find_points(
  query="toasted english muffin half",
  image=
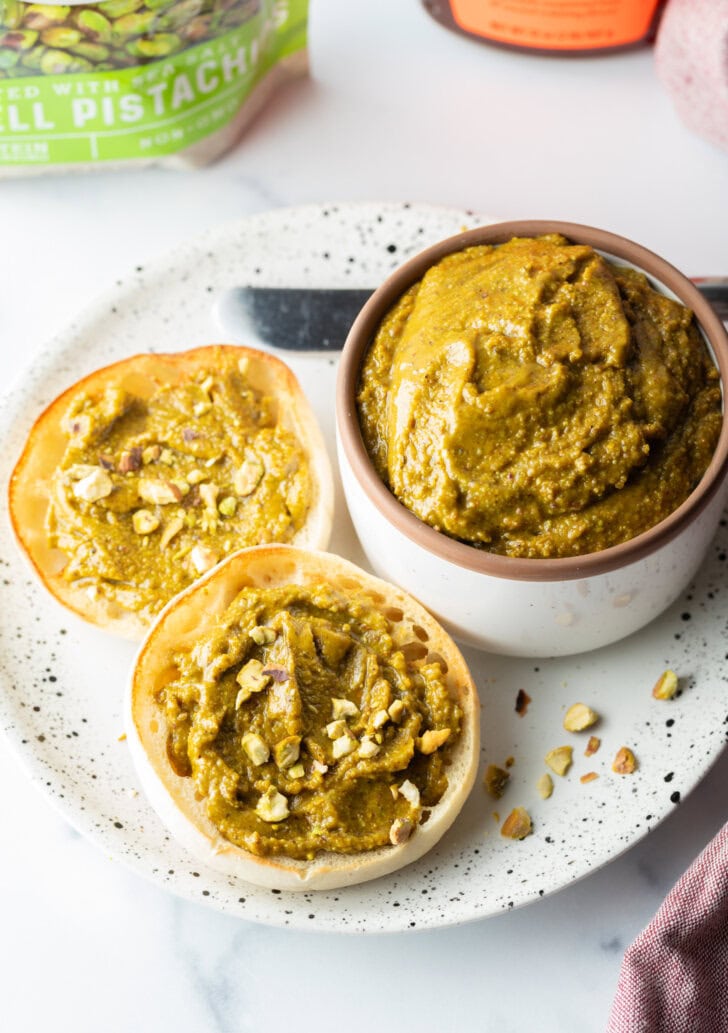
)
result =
(144, 474)
(368, 694)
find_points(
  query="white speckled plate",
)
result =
(62, 681)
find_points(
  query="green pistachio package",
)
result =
(174, 82)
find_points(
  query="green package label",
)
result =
(140, 112)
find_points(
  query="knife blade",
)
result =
(318, 319)
(309, 319)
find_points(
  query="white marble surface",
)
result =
(397, 108)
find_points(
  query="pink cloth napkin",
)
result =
(674, 976)
(691, 54)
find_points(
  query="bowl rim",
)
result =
(453, 551)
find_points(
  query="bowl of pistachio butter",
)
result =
(532, 436)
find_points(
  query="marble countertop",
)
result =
(396, 109)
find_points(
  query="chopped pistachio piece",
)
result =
(196, 477)
(182, 486)
(400, 831)
(263, 636)
(131, 460)
(343, 708)
(287, 751)
(396, 710)
(578, 717)
(208, 494)
(166, 456)
(344, 745)
(592, 746)
(171, 529)
(666, 685)
(251, 679)
(247, 477)
(545, 786)
(517, 825)
(335, 729)
(380, 719)
(203, 559)
(495, 780)
(94, 486)
(150, 453)
(159, 493)
(228, 506)
(296, 771)
(367, 747)
(432, 740)
(272, 806)
(256, 748)
(560, 759)
(625, 763)
(320, 768)
(144, 522)
(410, 792)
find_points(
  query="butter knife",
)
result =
(318, 319)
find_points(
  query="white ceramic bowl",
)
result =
(529, 607)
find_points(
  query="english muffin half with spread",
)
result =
(301, 724)
(145, 474)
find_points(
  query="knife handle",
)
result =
(715, 290)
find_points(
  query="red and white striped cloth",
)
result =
(674, 976)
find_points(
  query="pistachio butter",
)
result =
(304, 728)
(536, 400)
(152, 491)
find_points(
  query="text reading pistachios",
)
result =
(132, 78)
(97, 105)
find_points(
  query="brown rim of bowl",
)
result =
(471, 557)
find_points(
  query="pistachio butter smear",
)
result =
(535, 400)
(304, 728)
(153, 491)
